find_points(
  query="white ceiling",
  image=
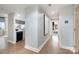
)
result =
(53, 7)
(51, 10)
(20, 7)
(8, 8)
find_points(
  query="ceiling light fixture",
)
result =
(49, 4)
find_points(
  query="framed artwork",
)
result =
(46, 25)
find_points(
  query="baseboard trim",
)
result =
(41, 46)
(11, 42)
(37, 50)
(69, 48)
(32, 49)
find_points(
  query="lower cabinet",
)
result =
(19, 36)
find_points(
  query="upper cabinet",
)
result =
(20, 22)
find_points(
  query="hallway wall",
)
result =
(66, 30)
(31, 27)
(41, 36)
(34, 29)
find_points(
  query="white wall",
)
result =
(40, 28)
(41, 37)
(11, 28)
(66, 31)
(31, 27)
(34, 28)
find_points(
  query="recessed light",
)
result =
(49, 4)
(53, 12)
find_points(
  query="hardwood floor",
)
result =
(18, 48)
(50, 49)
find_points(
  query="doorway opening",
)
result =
(20, 30)
(54, 33)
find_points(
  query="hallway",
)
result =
(52, 46)
(36, 23)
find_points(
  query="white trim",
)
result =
(41, 46)
(32, 49)
(11, 42)
(69, 48)
(37, 50)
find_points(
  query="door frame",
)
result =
(75, 43)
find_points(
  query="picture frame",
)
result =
(46, 25)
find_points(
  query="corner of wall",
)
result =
(31, 48)
(37, 50)
(11, 41)
(69, 48)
